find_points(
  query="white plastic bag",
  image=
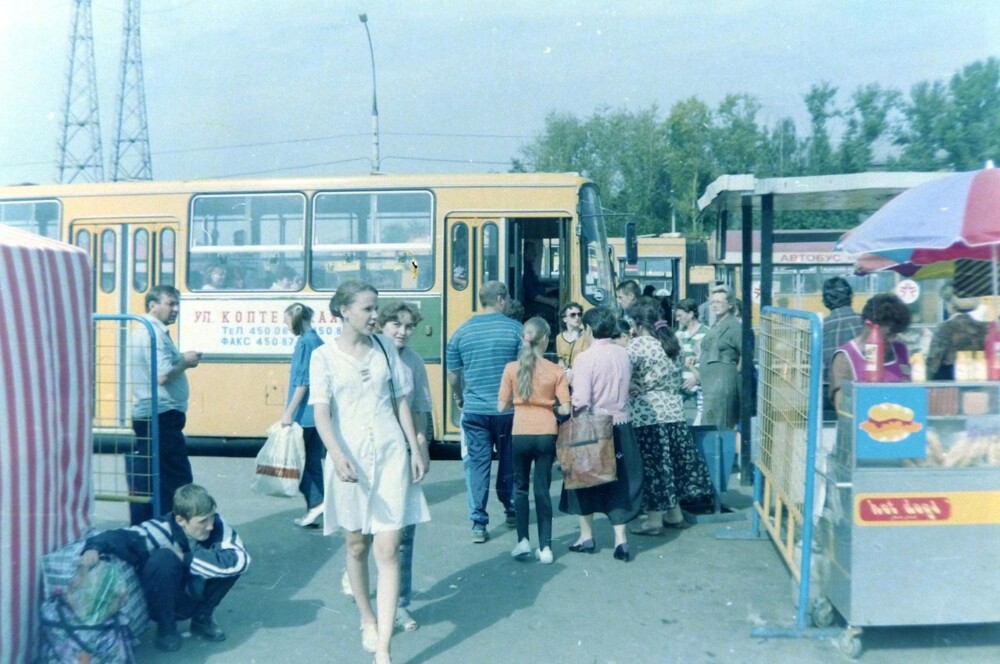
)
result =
(280, 462)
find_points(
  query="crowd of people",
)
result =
(363, 401)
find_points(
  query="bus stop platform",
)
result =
(686, 597)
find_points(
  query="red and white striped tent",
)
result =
(46, 383)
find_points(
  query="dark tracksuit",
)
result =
(177, 589)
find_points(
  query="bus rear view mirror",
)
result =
(631, 244)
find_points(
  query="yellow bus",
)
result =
(800, 268)
(240, 251)
(664, 262)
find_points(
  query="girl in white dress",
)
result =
(372, 481)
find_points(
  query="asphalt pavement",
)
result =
(687, 597)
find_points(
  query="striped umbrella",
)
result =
(952, 218)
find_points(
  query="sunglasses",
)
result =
(575, 314)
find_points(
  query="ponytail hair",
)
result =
(535, 330)
(300, 316)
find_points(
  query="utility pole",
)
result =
(376, 159)
(131, 160)
(80, 154)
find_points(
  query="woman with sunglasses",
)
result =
(574, 338)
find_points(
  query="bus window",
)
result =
(83, 240)
(655, 271)
(40, 217)
(491, 254)
(140, 261)
(258, 240)
(168, 256)
(459, 256)
(109, 260)
(380, 238)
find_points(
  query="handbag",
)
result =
(280, 462)
(585, 448)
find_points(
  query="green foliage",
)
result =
(954, 125)
(654, 168)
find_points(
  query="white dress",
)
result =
(384, 497)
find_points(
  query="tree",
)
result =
(737, 141)
(818, 151)
(867, 122)
(954, 125)
(781, 151)
(622, 152)
(689, 160)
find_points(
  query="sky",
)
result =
(284, 87)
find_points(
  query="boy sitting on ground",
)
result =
(187, 560)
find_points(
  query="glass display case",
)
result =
(910, 531)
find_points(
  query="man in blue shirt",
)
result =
(162, 308)
(476, 356)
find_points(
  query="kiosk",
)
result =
(910, 532)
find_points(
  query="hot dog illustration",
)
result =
(890, 422)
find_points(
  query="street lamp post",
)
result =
(376, 160)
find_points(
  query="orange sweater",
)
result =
(535, 416)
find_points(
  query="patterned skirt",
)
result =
(673, 468)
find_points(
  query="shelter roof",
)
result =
(852, 191)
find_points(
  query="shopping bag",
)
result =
(85, 623)
(280, 462)
(61, 567)
(585, 448)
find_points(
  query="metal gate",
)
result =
(125, 467)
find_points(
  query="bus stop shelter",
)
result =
(762, 198)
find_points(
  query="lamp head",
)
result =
(363, 18)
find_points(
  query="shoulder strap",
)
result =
(392, 385)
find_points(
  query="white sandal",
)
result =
(369, 637)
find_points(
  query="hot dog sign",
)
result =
(890, 423)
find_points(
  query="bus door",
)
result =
(475, 254)
(545, 242)
(128, 257)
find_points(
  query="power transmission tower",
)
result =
(131, 160)
(80, 154)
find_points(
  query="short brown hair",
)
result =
(390, 313)
(192, 500)
(157, 293)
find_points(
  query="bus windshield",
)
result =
(595, 269)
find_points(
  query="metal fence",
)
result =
(790, 412)
(125, 467)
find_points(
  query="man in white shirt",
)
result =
(162, 307)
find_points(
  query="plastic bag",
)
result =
(85, 623)
(280, 462)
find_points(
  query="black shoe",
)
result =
(586, 546)
(621, 553)
(207, 629)
(683, 524)
(168, 642)
(511, 521)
